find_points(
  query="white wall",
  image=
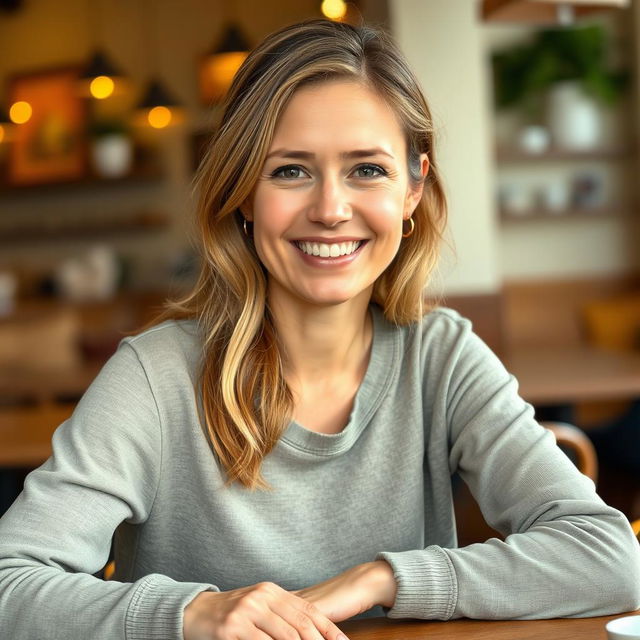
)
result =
(449, 47)
(443, 42)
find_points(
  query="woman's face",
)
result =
(329, 205)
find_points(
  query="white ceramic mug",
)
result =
(627, 628)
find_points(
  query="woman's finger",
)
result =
(278, 628)
(310, 623)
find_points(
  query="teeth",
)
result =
(328, 250)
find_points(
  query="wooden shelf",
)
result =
(609, 211)
(513, 156)
(72, 229)
(139, 174)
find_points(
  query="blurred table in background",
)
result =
(50, 352)
(556, 376)
(25, 433)
(47, 387)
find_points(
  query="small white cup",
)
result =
(627, 628)
(555, 196)
(534, 139)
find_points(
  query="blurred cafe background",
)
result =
(106, 107)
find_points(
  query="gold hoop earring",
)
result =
(411, 230)
(244, 227)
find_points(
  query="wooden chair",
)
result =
(574, 441)
(109, 570)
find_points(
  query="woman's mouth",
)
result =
(328, 250)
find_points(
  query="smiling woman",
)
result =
(344, 190)
(275, 454)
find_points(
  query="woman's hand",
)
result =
(258, 612)
(354, 591)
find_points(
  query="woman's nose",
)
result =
(331, 205)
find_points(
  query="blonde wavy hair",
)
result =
(245, 399)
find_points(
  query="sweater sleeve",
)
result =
(565, 554)
(104, 470)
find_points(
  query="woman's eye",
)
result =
(369, 171)
(290, 172)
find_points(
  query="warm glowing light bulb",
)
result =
(20, 112)
(159, 117)
(101, 87)
(334, 9)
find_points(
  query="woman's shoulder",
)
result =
(445, 317)
(441, 335)
(437, 323)
(445, 331)
(169, 340)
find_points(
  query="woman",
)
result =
(276, 457)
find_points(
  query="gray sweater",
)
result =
(133, 459)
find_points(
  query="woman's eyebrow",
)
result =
(308, 155)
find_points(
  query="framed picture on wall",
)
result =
(51, 145)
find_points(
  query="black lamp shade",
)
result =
(232, 40)
(157, 96)
(100, 65)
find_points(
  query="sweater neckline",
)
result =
(377, 380)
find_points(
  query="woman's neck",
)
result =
(325, 343)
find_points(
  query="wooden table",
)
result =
(25, 433)
(47, 386)
(557, 629)
(577, 374)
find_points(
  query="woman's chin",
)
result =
(334, 298)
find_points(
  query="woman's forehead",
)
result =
(339, 113)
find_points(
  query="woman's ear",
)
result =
(415, 192)
(246, 210)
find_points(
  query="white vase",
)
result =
(574, 118)
(112, 155)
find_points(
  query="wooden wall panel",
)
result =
(550, 313)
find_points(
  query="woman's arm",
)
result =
(565, 554)
(354, 591)
(104, 470)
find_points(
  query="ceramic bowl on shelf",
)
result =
(534, 140)
(515, 199)
(555, 196)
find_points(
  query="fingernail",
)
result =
(342, 637)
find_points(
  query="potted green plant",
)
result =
(111, 148)
(568, 71)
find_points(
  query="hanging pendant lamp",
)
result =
(100, 77)
(158, 107)
(220, 65)
(545, 11)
